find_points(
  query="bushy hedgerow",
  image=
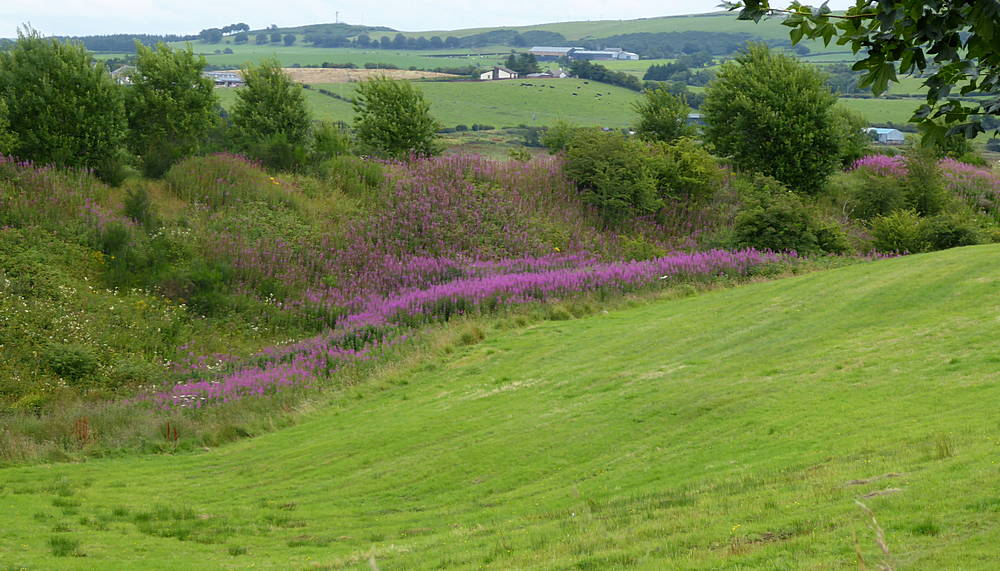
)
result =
(918, 203)
(775, 218)
(614, 174)
(899, 231)
(624, 177)
(907, 231)
(352, 175)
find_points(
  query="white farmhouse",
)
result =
(498, 72)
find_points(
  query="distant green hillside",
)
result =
(583, 30)
(731, 430)
(769, 30)
(718, 22)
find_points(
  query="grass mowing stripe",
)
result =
(734, 429)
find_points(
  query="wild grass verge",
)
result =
(87, 428)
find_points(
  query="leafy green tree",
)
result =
(853, 141)
(557, 137)
(6, 137)
(956, 40)
(63, 108)
(771, 115)
(171, 106)
(270, 104)
(211, 35)
(393, 120)
(523, 63)
(289, 39)
(270, 117)
(662, 116)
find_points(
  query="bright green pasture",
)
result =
(498, 103)
(508, 103)
(730, 430)
(898, 111)
(845, 56)
(636, 67)
(908, 85)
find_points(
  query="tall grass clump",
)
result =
(352, 175)
(225, 179)
(71, 203)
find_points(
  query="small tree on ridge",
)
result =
(270, 117)
(772, 115)
(170, 106)
(63, 109)
(393, 120)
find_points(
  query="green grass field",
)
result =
(734, 429)
(897, 111)
(497, 103)
(508, 103)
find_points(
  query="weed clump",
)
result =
(64, 547)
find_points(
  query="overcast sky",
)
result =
(89, 17)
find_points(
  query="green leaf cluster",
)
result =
(662, 116)
(171, 106)
(956, 41)
(270, 105)
(393, 120)
(775, 218)
(625, 177)
(62, 107)
(772, 114)
(6, 137)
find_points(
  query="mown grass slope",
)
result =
(733, 429)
